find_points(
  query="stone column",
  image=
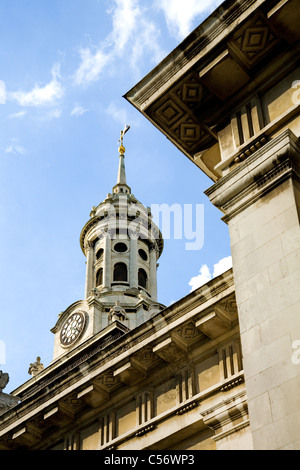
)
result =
(153, 273)
(133, 262)
(261, 201)
(89, 280)
(107, 262)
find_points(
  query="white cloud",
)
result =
(41, 95)
(53, 114)
(18, 115)
(132, 33)
(181, 15)
(221, 266)
(91, 66)
(202, 278)
(78, 110)
(2, 92)
(205, 275)
(118, 114)
(125, 17)
(15, 148)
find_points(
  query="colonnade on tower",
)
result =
(122, 246)
(121, 243)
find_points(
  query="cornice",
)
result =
(199, 43)
(105, 353)
(276, 161)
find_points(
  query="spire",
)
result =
(121, 185)
(121, 172)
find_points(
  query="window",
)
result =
(99, 277)
(143, 254)
(142, 278)
(99, 253)
(120, 247)
(120, 272)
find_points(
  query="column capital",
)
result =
(89, 245)
(152, 247)
(275, 162)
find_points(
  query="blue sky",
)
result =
(64, 67)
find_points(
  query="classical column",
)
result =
(153, 274)
(133, 262)
(261, 201)
(89, 284)
(107, 262)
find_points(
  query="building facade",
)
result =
(215, 370)
(129, 373)
(228, 98)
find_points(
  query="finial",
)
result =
(123, 132)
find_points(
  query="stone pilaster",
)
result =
(153, 275)
(261, 201)
(107, 262)
(89, 268)
(133, 263)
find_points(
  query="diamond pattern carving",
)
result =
(109, 381)
(170, 113)
(73, 403)
(168, 351)
(186, 335)
(192, 92)
(190, 132)
(175, 113)
(188, 332)
(146, 358)
(253, 41)
(230, 305)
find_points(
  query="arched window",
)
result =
(99, 277)
(143, 254)
(99, 253)
(120, 272)
(142, 278)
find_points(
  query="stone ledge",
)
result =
(277, 160)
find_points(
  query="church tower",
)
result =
(122, 245)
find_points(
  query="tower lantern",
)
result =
(122, 245)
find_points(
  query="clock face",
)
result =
(72, 329)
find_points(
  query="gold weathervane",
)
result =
(123, 132)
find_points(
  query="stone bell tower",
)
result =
(122, 245)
